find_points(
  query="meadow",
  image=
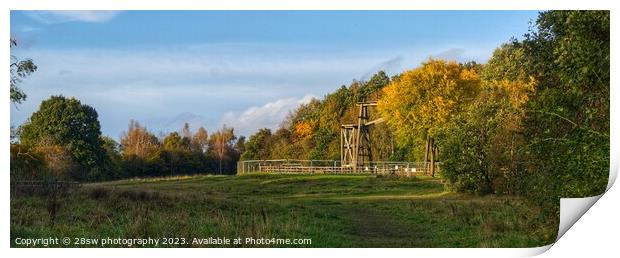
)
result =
(331, 210)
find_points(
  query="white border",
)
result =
(595, 233)
(307, 5)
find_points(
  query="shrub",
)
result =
(477, 150)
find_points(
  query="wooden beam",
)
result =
(376, 121)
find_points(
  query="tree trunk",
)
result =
(220, 171)
(432, 153)
(426, 154)
(428, 138)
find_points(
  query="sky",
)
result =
(245, 69)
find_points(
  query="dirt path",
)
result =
(371, 228)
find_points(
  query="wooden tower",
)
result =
(356, 147)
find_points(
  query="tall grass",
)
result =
(410, 212)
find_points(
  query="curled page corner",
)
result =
(613, 171)
(572, 209)
(534, 251)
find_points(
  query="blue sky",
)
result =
(246, 69)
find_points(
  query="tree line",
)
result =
(312, 131)
(63, 140)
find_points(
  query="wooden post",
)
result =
(341, 146)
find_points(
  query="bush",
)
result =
(477, 148)
(26, 164)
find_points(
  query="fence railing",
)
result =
(293, 166)
(42, 186)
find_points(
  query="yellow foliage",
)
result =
(422, 100)
(303, 129)
(518, 92)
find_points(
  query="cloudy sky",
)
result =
(239, 68)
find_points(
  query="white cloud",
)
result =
(269, 115)
(26, 29)
(51, 17)
(464, 54)
(392, 64)
(450, 54)
(208, 80)
(152, 77)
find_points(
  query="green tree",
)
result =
(240, 145)
(174, 141)
(113, 160)
(175, 153)
(479, 144)
(67, 123)
(281, 145)
(373, 86)
(505, 80)
(506, 64)
(567, 121)
(20, 69)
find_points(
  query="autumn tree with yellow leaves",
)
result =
(420, 102)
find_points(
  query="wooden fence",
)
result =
(42, 186)
(286, 166)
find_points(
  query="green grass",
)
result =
(332, 210)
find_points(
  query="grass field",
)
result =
(331, 210)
